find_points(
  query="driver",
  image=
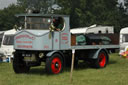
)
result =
(57, 24)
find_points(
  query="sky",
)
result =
(5, 3)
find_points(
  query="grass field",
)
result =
(116, 73)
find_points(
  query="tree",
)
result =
(89, 12)
(42, 5)
(82, 13)
(7, 16)
(122, 15)
(126, 3)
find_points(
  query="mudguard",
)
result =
(49, 54)
(94, 54)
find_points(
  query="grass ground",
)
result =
(116, 73)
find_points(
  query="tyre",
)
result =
(54, 64)
(102, 60)
(19, 66)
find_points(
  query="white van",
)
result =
(1, 36)
(7, 43)
(123, 40)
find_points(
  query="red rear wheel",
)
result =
(102, 60)
(54, 64)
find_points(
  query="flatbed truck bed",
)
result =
(95, 47)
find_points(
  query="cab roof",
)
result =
(40, 15)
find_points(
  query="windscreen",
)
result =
(42, 23)
(8, 40)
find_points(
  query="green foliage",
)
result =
(121, 18)
(88, 12)
(42, 5)
(7, 16)
(126, 3)
(82, 13)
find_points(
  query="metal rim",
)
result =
(56, 65)
(102, 60)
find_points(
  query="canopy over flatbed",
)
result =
(93, 29)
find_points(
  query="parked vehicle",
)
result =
(7, 42)
(1, 36)
(47, 38)
(123, 40)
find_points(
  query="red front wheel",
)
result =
(54, 64)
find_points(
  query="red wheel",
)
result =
(54, 64)
(102, 60)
